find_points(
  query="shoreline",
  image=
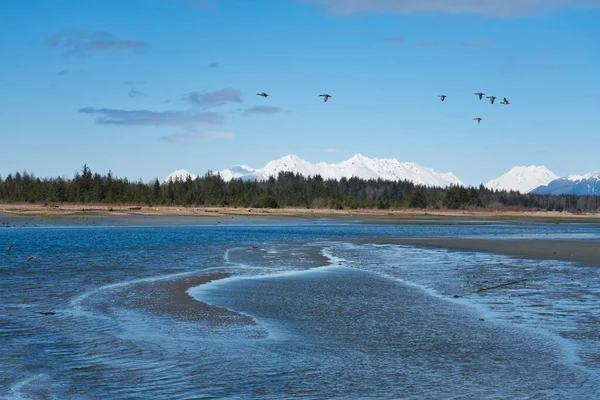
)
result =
(584, 252)
(52, 211)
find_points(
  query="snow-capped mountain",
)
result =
(180, 174)
(580, 184)
(358, 166)
(523, 179)
(248, 173)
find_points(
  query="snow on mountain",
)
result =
(579, 184)
(523, 179)
(358, 166)
(238, 171)
(180, 174)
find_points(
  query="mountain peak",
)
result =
(180, 175)
(523, 178)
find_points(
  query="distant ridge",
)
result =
(578, 184)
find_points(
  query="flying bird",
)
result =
(504, 101)
(480, 95)
(30, 258)
(9, 248)
(325, 97)
(492, 98)
(478, 120)
(442, 96)
(263, 94)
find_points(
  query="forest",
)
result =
(286, 190)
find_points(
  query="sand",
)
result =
(586, 252)
(15, 213)
(169, 297)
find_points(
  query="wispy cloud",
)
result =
(187, 118)
(133, 93)
(213, 65)
(214, 99)
(392, 40)
(193, 137)
(82, 42)
(491, 8)
(218, 135)
(264, 110)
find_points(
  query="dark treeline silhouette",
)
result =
(287, 190)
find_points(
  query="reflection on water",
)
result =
(284, 311)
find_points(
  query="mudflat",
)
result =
(170, 297)
(586, 252)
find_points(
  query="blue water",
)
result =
(302, 312)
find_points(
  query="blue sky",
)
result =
(144, 87)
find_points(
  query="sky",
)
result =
(145, 87)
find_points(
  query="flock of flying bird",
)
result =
(325, 96)
(441, 96)
(480, 95)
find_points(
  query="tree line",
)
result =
(288, 189)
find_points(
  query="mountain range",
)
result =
(524, 179)
(357, 166)
(581, 184)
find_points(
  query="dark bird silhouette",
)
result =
(263, 94)
(478, 120)
(504, 101)
(480, 95)
(9, 248)
(492, 98)
(442, 96)
(30, 258)
(325, 97)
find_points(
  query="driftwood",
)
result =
(499, 286)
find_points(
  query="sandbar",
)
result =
(586, 252)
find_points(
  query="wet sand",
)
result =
(586, 252)
(170, 298)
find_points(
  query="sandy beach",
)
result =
(586, 252)
(8, 213)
